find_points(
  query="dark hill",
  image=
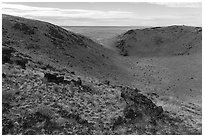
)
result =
(56, 46)
(160, 41)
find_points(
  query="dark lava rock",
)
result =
(8, 57)
(107, 82)
(6, 54)
(86, 88)
(30, 121)
(124, 52)
(7, 125)
(129, 113)
(139, 105)
(127, 92)
(79, 82)
(118, 121)
(73, 73)
(20, 61)
(55, 78)
(3, 75)
(153, 94)
(159, 111)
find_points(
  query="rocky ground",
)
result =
(83, 88)
(40, 99)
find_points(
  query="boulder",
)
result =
(3, 75)
(77, 82)
(40, 74)
(107, 82)
(139, 106)
(6, 54)
(55, 78)
(20, 61)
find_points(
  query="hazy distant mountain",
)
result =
(101, 33)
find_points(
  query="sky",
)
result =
(109, 13)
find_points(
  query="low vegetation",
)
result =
(38, 102)
(44, 91)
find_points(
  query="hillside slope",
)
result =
(37, 100)
(160, 41)
(56, 46)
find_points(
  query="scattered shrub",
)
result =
(123, 52)
(7, 125)
(6, 54)
(56, 88)
(24, 28)
(7, 96)
(20, 61)
(54, 32)
(45, 111)
(158, 40)
(107, 82)
(32, 46)
(118, 121)
(7, 99)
